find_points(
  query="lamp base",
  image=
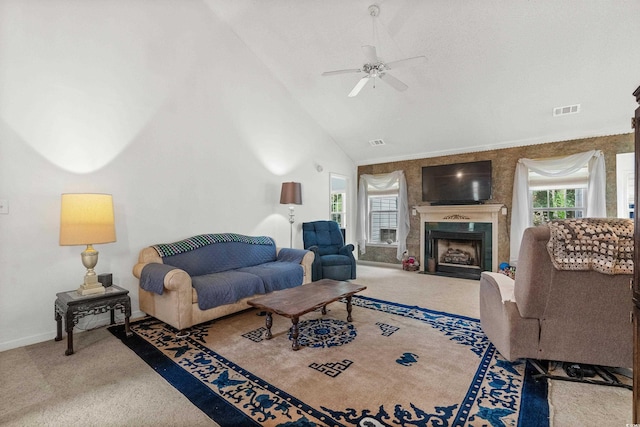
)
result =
(91, 285)
(91, 289)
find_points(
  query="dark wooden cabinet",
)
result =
(636, 270)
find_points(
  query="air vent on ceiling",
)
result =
(376, 142)
(569, 109)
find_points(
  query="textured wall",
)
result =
(504, 165)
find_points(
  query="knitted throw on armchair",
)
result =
(600, 244)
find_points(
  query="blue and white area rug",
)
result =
(394, 365)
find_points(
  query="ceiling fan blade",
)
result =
(393, 82)
(358, 87)
(409, 62)
(333, 73)
(370, 54)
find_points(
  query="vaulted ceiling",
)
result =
(495, 69)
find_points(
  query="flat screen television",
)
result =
(457, 184)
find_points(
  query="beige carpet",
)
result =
(105, 384)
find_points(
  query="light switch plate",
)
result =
(4, 206)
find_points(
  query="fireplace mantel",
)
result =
(461, 213)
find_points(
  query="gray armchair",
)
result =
(558, 315)
(333, 259)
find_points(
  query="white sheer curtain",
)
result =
(383, 182)
(559, 167)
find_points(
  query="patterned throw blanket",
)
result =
(600, 244)
(186, 245)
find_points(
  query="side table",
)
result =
(74, 307)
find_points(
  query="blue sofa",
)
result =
(212, 275)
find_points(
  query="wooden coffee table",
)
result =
(294, 302)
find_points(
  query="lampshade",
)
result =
(291, 193)
(86, 219)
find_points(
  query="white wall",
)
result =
(157, 103)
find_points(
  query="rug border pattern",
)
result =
(478, 343)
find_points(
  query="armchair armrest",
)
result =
(347, 250)
(504, 285)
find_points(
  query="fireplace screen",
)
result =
(457, 253)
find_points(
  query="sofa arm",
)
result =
(316, 265)
(174, 306)
(307, 263)
(148, 255)
(174, 280)
(177, 280)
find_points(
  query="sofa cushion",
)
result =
(225, 287)
(218, 257)
(277, 275)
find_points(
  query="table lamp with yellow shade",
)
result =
(87, 219)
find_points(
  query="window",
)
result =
(337, 209)
(558, 204)
(338, 200)
(558, 197)
(383, 218)
(382, 199)
(558, 178)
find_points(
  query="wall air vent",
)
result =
(569, 109)
(376, 142)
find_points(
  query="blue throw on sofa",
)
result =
(227, 267)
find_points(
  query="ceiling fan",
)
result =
(375, 67)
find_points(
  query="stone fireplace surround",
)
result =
(480, 213)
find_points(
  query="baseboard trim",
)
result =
(100, 321)
(379, 264)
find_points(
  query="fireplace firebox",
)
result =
(456, 253)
